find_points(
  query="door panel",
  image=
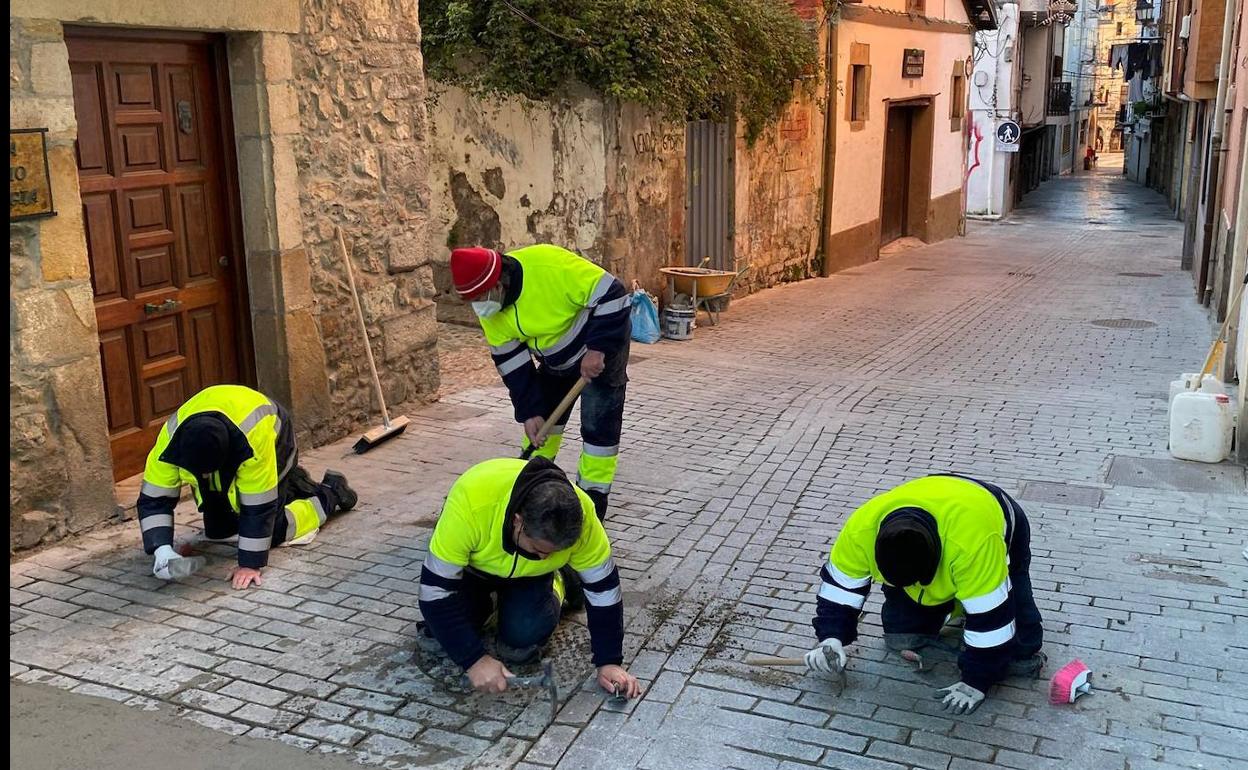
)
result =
(709, 189)
(151, 168)
(896, 180)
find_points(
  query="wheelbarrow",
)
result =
(709, 290)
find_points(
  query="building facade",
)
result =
(899, 127)
(200, 158)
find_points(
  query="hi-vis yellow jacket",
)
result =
(974, 527)
(261, 452)
(565, 306)
(475, 534)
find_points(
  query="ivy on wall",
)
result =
(686, 59)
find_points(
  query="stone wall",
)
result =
(602, 179)
(59, 466)
(644, 228)
(608, 180)
(778, 198)
(359, 81)
(509, 173)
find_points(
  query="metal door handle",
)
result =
(151, 308)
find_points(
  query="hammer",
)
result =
(768, 660)
(544, 680)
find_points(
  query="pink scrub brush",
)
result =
(1070, 682)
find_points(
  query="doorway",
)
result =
(156, 175)
(905, 192)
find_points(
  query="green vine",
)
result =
(686, 59)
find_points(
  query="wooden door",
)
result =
(896, 175)
(156, 209)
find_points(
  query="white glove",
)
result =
(170, 564)
(820, 658)
(960, 698)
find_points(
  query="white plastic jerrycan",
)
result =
(1187, 381)
(1200, 426)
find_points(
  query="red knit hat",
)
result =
(475, 271)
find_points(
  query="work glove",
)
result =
(821, 658)
(171, 565)
(959, 698)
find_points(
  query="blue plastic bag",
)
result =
(645, 317)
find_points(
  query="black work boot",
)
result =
(1028, 667)
(573, 593)
(600, 503)
(343, 493)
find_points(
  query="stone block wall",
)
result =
(607, 180)
(59, 464)
(359, 93)
(778, 198)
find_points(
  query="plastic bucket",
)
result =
(678, 323)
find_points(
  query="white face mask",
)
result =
(486, 308)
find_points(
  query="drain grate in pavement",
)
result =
(921, 269)
(1123, 323)
(1177, 475)
(1141, 275)
(1021, 275)
(1062, 494)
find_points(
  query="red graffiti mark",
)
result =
(978, 137)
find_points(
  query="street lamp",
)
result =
(1144, 11)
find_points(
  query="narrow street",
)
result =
(1035, 352)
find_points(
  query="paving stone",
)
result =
(364, 699)
(321, 730)
(383, 723)
(276, 720)
(303, 685)
(254, 693)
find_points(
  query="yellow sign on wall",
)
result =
(30, 190)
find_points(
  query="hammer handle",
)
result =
(514, 681)
(768, 660)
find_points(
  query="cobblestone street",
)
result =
(1035, 353)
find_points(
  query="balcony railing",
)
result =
(1060, 98)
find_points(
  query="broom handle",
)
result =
(359, 311)
(549, 425)
(1230, 314)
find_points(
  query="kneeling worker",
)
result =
(506, 529)
(936, 543)
(236, 448)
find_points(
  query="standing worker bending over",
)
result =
(544, 302)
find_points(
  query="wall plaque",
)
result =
(30, 189)
(912, 63)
